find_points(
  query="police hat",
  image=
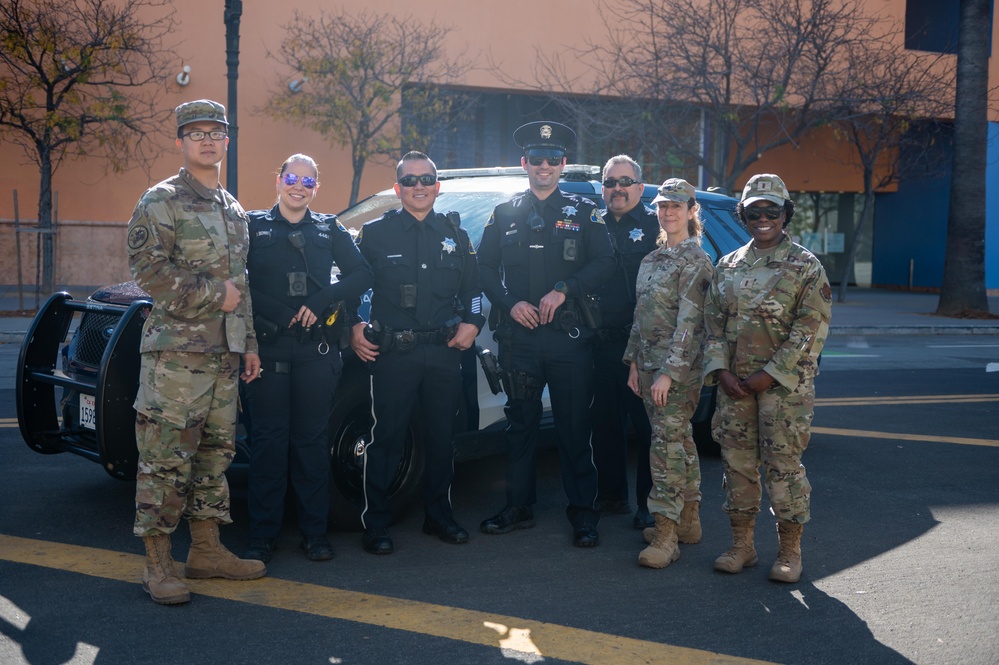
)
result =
(544, 138)
(201, 109)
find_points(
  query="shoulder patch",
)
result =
(492, 215)
(827, 293)
(138, 237)
(596, 217)
(360, 234)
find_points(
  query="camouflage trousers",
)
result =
(771, 428)
(676, 468)
(185, 431)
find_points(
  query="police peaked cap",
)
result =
(544, 138)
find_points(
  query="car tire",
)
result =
(350, 431)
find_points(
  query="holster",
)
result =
(267, 331)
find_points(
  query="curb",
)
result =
(914, 330)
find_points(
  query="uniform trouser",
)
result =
(613, 405)
(771, 428)
(428, 376)
(566, 365)
(289, 421)
(185, 431)
(676, 468)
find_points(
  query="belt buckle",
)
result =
(405, 341)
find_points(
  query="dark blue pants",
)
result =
(566, 366)
(290, 415)
(429, 376)
(613, 405)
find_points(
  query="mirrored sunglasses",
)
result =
(291, 179)
(410, 180)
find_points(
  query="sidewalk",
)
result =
(866, 312)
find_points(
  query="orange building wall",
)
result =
(95, 207)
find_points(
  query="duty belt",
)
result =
(405, 341)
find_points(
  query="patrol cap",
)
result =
(201, 109)
(765, 187)
(544, 138)
(675, 189)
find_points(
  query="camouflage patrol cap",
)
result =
(544, 138)
(675, 189)
(201, 109)
(765, 187)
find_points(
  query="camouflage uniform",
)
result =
(770, 313)
(184, 242)
(666, 339)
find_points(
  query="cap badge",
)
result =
(546, 131)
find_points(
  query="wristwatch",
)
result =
(562, 287)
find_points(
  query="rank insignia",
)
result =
(448, 245)
(566, 225)
(569, 211)
(636, 234)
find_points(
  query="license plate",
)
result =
(88, 411)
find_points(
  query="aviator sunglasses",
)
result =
(538, 161)
(291, 179)
(624, 181)
(411, 180)
(772, 213)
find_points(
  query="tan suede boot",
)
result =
(159, 579)
(663, 550)
(742, 554)
(787, 568)
(209, 558)
(689, 529)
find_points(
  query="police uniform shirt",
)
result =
(633, 238)
(391, 244)
(576, 248)
(272, 256)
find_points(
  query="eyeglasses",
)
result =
(197, 136)
(538, 161)
(410, 180)
(611, 183)
(772, 213)
(291, 179)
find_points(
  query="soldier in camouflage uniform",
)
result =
(187, 244)
(664, 352)
(767, 318)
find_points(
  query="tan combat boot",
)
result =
(787, 568)
(742, 554)
(209, 558)
(689, 529)
(663, 550)
(159, 579)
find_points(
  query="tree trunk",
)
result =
(355, 183)
(963, 289)
(46, 232)
(866, 213)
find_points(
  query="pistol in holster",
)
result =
(490, 368)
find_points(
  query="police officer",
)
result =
(187, 244)
(542, 255)
(766, 320)
(425, 310)
(633, 230)
(298, 318)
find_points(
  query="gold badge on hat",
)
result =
(546, 131)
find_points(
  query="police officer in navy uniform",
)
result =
(292, 253)
(425, 311)
(542, 254)
(633, 230)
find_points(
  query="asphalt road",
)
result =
(900, 562)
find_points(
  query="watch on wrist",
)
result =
(562, 287)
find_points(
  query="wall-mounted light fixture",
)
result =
(185, 75)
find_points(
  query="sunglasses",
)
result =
(291, 179)
(611, 183)
(411, 180)
(772, 213)
(538, 161)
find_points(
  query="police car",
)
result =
(77, 397)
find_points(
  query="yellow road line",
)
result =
(991, 443)
(481, 628)
(905, 399)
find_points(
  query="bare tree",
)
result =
(353, 73)
(887, 96)
(77, 79)
(751, 75)
(963, 289)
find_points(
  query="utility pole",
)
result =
(233, 13)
